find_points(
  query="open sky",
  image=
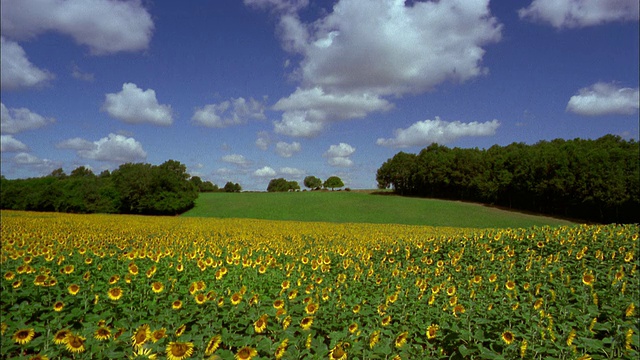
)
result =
(247, 91)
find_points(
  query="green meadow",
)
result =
(361, 207)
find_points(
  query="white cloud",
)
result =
(278, 5)
(227, 113)
(338, 155)
(236, 159)
(106, 26)
(295, 123)
(113, 148)
(78, 74)
(42, 166)
(9, 144)
(16, 71)
(135, 106)
(14, 121)
(265, 172)
(604, 99)
(580, 13)
(425, 132)
(365, 50)
(263, 140)
(287, 150)
(291, 171)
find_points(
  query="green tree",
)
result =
(312, 182)
(333, 182)
(231, 187)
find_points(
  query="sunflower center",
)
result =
(179, 350)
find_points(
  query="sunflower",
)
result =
(538, 304)
(200, 299)
(176, 305)
(236, 298)
(286, 322)
(571, 337)
(630, 311)
(114, 279)
(458, 309)
(386, 320)
(114, 293)
(311, 308)
(3, 328)
(68, 269)
(337, 353)
(353, 327)
(588, 279)
(23, 336)
(180, 267)
(306, 323)
(285, 284)
(401, 339)
(507, 337)
(86, 276)
(73, 289)
(356, 308)
(61, 336)
(39, 357)
(493, 278)
(280, 350)
(212, 345)
(432, 331)
(510, 285)
(158, 335)
(144, 353)
(141, 335)
(16, 284)
(39, 280)
(58, 306)
(180, 330)
(278, 304)
(157, 287)
(133, 269)
(75, 343)
(9, 275)
(451, 290)
(374, 338)
(261, 324)
(246, 353)
(292, 294)
(179, 350)
(102, 333)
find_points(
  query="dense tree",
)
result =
(333, 182)
(591, 179)
(231, 187)
(312, 182)
(282, 185)
(132, 188)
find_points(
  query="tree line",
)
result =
(311, 182)
(165, 189)
(596, 180)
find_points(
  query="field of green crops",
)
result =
(114, 286)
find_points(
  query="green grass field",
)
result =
(359, 207)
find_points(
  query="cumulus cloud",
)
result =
(236, 159)
(9, 144)
(106, 26)
(287, 150)
(580, 13)
(78, 74)
(425, 132)
(362, 52)
(135, 106)
(605, 99)
(14, 121)
(291, 171)
(42, 166)
(16, 71)
(227, 113)
(265, 171)
(338, 155)
(278, 5)
(263, 140)
(113, 148)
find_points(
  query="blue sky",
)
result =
(247, 91)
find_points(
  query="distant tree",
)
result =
(333, 182)
(231, 187)
(282, 185)
(58, 173)
(82, 171)
(312, 182)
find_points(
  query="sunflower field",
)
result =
(115, 286)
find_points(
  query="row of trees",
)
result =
(311, 182)
(166, 189)
(596, 180)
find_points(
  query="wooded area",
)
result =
(596, 180)
(166, 189)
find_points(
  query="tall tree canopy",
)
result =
(596, 180)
